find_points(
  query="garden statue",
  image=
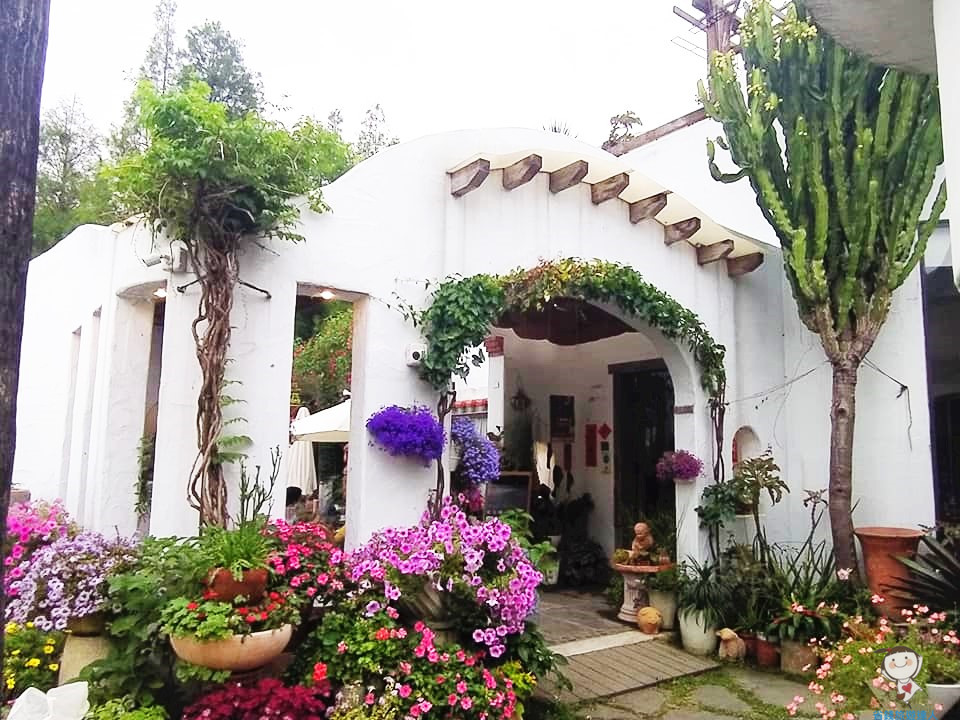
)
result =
(732, 646)
(649, 620)
(642, 542)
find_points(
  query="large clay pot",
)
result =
(234, 653)
(881, 547)
(666, 603)
(749, 645)
(768, 654)
(795, 656)
(698, 637)
(252, 585)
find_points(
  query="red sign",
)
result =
(590, 448)
(605, 431)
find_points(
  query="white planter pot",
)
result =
(236, 652)
(946, 695)
(697, 639)
(551, 575)
(554, 540)
(666, 603)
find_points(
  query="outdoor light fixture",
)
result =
(160, 293)
(327, 295)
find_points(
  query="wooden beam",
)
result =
(744, 264)
(712, 253)
(469, 177)
(680, 123)
(609, 188)
(568, 176)
(647, 208)
(681, 230)
(522, 171)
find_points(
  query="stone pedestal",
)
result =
(80, 651)
(635, 594)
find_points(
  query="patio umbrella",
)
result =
(301, 470)
(327, 426)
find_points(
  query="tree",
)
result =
(213, 56)
(23, 45)
(160, 63)
(321, 363)
(68, 190)
(841, 155)
(373, 135)
(335, 122)
(217, 182)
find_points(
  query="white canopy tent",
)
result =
(301, 471)
(327, 426)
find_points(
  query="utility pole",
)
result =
(719, 22)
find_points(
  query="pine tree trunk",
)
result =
(842, 417)
(23, 46)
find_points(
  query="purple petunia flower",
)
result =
(412, 431)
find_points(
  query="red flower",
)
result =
(274, 595)
(319, 672)
(263, 616)
(441, 679)
(243, 610)
(382, 634)
(192, 606)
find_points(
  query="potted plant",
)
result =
(411, 432)
(662, 591)
(543, 555)
(798, 628)
(883, 548)
(238, 561)
(230, 636)
(754, 477)
(679, 466)
(850, 678)
(702, 599)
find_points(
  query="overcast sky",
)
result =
(433, 65)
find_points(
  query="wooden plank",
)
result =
(587, 682)
(521, 172)
(609, 188)
(644, 657)
(568, 175)
(647, 208)
(744, 264)
(658, 132)
(659, 656)
(469, 177)
(610, 663)
(681, 230)
(712, 253)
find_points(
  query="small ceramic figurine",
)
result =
(642, 542)
(649, 620)
(732, 646)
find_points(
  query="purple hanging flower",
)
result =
(479, 457)
(679, 465)
(412, 431)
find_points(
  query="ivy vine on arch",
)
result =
(463, 309)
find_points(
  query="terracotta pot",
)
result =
(234, 653)
(88, 625)
(795, 656)
(768, 654)
(252, 586)
(750, 644)
(881, 546)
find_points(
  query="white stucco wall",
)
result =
(393, 225)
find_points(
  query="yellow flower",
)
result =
(47, 649)
(33, 662)
(11, 683)
(15, 652)
(54, 666)
(30, 625)
(11, 628)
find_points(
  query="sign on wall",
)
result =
(561, 416)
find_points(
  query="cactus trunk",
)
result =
(842, 416)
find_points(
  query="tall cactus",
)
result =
(841, 155)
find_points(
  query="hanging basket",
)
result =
(432, 607)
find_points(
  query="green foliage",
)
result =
(845, 188)
(31, 658)
(373, 136)
(934, 576)
(758, 475)
(209, 620)
(205, 173)
(703, 588)
(214, 57)
(665, 580)
(463, 309)
(143, 488)
(125, 709)
(140, 662)
(245, 547)
(322, 363)
(614, 591)
(530, 648)
(717, 509)
(542, 554)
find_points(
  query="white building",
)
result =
(105, 358)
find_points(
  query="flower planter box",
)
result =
(795, 656)
(235, 653)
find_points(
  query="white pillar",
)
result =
(946, 23)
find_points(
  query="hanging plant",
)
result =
(679, 466)
(479, 457)
(218, 184)
(410, 432)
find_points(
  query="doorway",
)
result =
(643, 403)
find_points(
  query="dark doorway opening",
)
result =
(643, 430)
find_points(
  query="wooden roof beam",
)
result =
(609, 188)
(744, 264)
(521, 172)
(647, 208)
(469, 177)
(680, 230)
(568, 176)
(712, 253)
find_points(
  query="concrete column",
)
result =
(946, 23)
(496, 387)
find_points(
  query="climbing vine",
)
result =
(218, 183)
(463, 310)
